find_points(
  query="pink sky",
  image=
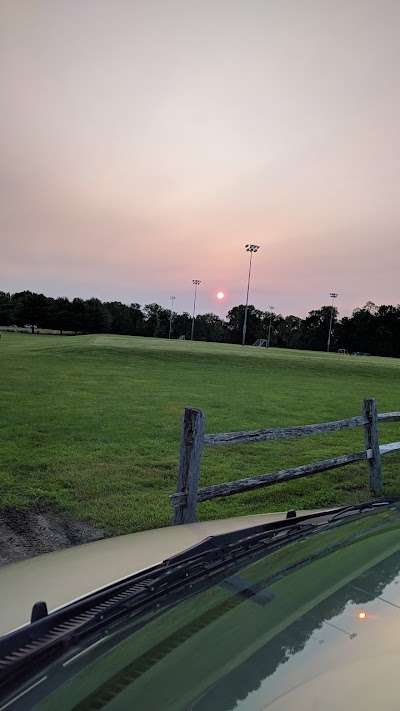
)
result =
(143, 144)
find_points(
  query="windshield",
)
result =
(248, 642)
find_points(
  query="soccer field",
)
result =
(91, 424)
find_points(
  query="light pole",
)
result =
(171, 315)
(249, 248)
(196, 283)
(271, 308)
(333, 297)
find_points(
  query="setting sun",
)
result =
(220, 295)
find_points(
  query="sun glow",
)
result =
(220, 295)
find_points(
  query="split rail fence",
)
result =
(193, 439)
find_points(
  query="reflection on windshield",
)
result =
(313, 627)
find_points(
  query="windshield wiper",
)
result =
(26, 650)
(252, 534)
(365, 507)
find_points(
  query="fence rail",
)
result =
(193, 440)
(282, 432)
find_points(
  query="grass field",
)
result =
(91, 424)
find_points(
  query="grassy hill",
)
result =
(91, 424)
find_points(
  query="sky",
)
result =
(144, 143)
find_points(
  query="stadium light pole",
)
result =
(196, 283)
(249, 248)
(333, 297)
(271, 309)
(171, 314)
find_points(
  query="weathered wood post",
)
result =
(372, 442)
(192, 441)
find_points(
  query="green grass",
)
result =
(91, 424)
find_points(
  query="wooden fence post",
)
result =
(192, 441)
(371, 442)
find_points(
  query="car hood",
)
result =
(319, 630)
(61, 577)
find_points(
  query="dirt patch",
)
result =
(24, 534)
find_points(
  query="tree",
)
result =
(137, 319)
(388, 331)
(61, 315)
(78, 315)
(97, 318)
(156, 321)
(288, 331)
(32, 308)
(209, 327)
(315, 329)
(183, 325)
(255, 324)
(6, 309)
(120, 317)
(363, 337)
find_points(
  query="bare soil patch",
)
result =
(25, 534)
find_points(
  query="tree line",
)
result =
(373, 329)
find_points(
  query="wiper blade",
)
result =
(292, 520)
(263, 532)
(364, 507)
